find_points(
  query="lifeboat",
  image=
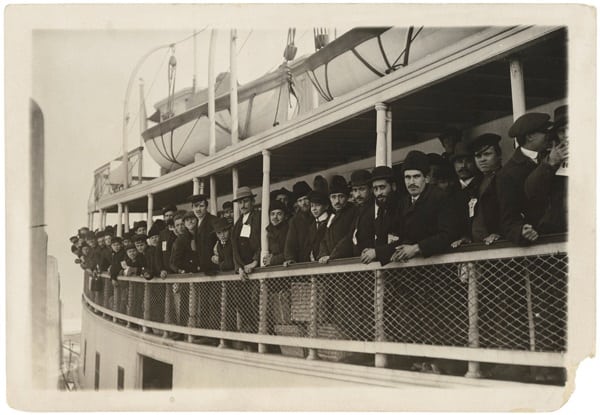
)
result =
(360, 56)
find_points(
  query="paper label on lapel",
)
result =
(330, 219)
(354, 240)
(164, 246)
(472, 204)
(392, 238)
(245, 233)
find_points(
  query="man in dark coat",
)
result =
(117, 258)
(223, 251)
(319, 209)
(153, 255)
(547, 184)
(167, 236)
(184, 258)
(335, 243)
(363, 227)
(276, 233)
(245, 236)
(517, 214)
(204, 236)
(297, 244)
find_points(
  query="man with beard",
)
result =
(276, 233)
(517, 213)
(204, 237)
(386, 213)
(167, 236)
(363, 227)
(297, 243)
(335, 245)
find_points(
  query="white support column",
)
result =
(101, 219)
(104, 216)
(235, 181)
(212, 143)
(91, 220)
(388, 137)
(201, 187)
(126, 219)
(264, 217)
(150, 211)
(381, 146)
(233, 89)
(213, 195)
(120, 220)
(196, 183)
(517, 87)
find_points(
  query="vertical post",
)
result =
(530, 320)
(314, 96)
(381, 360)
(120, 220)
(146, 306)
(150, 210)
(143, 116)
(388, 137)
(213, 195)
(381, 146)
(167, 316)
(140, 155)
(212, 143)
(126, 214)
(223, 325)
(235, 181)
(262, 313)
(201, 186)
(314, 309)
(517, 87)
(233, 89)
(470, 269)
(101, 219)
(192, 310)
(130, 288)
(91, 220)
(196, 184)
(116, 299)
(264, 242)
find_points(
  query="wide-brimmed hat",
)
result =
(416, 160)
(360, 178)
(318, 197)
(243, 192)
(300, 189)
(338, 185)
(279, 192)
(382, 173)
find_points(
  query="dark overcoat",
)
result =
(298, 240)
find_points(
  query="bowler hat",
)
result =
(318, 197)
(382, 173)
(277, 205)
(140, 224)
(197, 198)
(300, 189)
(243, 192)
(320, 184)
(338, 185)
(436, 159)
(169, 208)
(220, 225)
(461, 150)
(561, 116)
(416, 160)
(360, 178)
(278, 192)
(154, 230)
(483, 140)
(528, 123)
(227, 205)
(100, 234)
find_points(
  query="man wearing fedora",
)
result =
(518, 215)
(297, 241)
(204, 236)
(245, 236)
(335, 243)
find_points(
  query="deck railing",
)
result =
(105, 184)
(503, 305)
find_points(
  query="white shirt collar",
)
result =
(530, 154)
(245, 217)
(323, 217)
(376, 209)
(465, 183)
(413, 199)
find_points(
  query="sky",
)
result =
(79, 81)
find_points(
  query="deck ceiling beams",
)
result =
(483, 53)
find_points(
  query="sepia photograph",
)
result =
(299, 207)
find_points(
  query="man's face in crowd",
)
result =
(141, 230)
(168, 217)
(537, 141)
(361, 194)
(190, 224)
(338, 201)
(92, 242)
(563, 133)
(85, 250)
(464, 167)
(116, 246)
(153, 240)
(382, 189)
(179, 226)
(415, 182)
(246, 205)
(303, 203)
(132, 253)
(107, 240)
(228, 213)
(317, 209)
(487, 159)
(100, 241)
(223, 236)
(140, 246)
(276, 216)
(200, 208)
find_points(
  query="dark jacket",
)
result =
(139, 263)
(297, 242)
(363, 228)
(93, 259)
(430, 222)
(165, 244)
(105, 258)
(387, 228)
(115, 263)
(277, 236)
(205, 243)
(225, 253)
(154, 264)
(246, 250)
(336, 243)
(182, 256)
(316, 233)
(485, 203)
(544, 188)
(515, 209)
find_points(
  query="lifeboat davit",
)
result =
(354, 59)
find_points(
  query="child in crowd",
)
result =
(223, 252)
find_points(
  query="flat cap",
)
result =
(197, 198)
(155, 230)
(130, 246)
(100, 234)
(277, 205)
(301, 189)
(360, 178)
(140, 224)
(531, 122)
(483, 140)
(382, 173)
(220, 225)
(139, 238)
(243, 192)
(416, 160)
(227, 205)
(318, 197)
(73, 239)
(279, 192)
(169, 208)
(338, 185)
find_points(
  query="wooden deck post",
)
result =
(264, 222)
(517, 87)
(126, 219)
(116, 299)
(233, 89)
(314, 310)
(102, 218)
(130, 293)
(223, 323)
(381, 360)
(192, 310)
(235, 182)
(150, 211)
(530, 317)
(120, 220)
(146, 306)
(167, 316)
(381, 145)
(262, 313)
(213, 195)
(388, 137)
(470, 269)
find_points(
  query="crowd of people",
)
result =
(462, 196)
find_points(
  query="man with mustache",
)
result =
(335, 244)
(167, 236)
(297, 242)
(245, 236)
(363, 227)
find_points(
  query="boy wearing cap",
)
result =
(223, 251)
(517, 214)
(117, 259)
(297, 242)
(246, 234)
(134, 261)
(335, 243)
(276, 233)
(153, 255)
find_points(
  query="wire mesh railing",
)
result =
(486, 300)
